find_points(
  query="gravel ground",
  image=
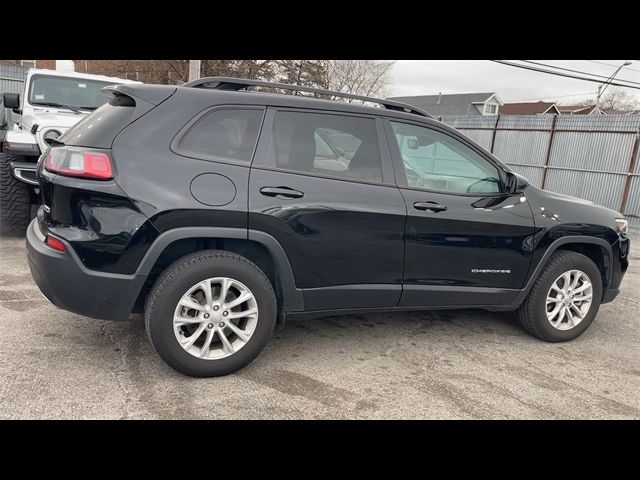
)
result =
(445, 364)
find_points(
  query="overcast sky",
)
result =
(428, 77)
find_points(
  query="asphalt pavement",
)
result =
(419, 365)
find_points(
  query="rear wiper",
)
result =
(60, 105)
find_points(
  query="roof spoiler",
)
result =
(143, 97)
(154, 94)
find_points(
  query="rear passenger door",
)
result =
(323, 185)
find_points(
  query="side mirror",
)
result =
(11, 100)
(515, 183)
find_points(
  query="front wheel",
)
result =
(15, 200)
(565, 298)
(210, 313)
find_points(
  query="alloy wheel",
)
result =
(569, 299)
(215, 318)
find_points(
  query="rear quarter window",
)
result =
(224, 134)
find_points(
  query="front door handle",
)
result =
(429, 206)
(281, 192)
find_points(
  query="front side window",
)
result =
(435, 161)
(323, 144)
(67, 92)
(226, 134)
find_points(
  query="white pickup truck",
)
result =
(51, 102)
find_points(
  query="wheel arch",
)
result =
(597, 249)
(259, 247)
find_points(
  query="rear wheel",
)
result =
(210, 313)
(565, 298)
(15, 200)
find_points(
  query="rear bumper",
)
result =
(66, 283)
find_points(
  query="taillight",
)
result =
(80, 163)
(54, 243)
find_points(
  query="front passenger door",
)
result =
(466, 240)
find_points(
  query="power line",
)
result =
(540, 70)
(578, 71)
(612, 65)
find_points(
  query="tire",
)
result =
(15, 199)
(532, 314)
(175, 283)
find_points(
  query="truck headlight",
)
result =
(50, 135)
(623, 226)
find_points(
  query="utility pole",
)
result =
(603, 87)
(194, 69)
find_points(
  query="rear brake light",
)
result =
(54, 243)
(79, 163)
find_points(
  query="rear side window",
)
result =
(223, 134)
(99, 129)
(323, 144)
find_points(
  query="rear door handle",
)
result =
(429, 206)
(281, 192)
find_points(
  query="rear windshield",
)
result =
(99, 129)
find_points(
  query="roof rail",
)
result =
(236, 84)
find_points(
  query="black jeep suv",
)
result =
(219, 211)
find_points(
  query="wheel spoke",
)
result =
(582, 288)
(243, 314)
(577, 310)
(569, 316)
(552, 314)
(553, 300)
(186, 320)
(238, 301)
(242, 335)
(561, 316)
(567, 280)
(555, 287)
(226, 344)
(190, 303)
(189, 341)
(582, 298)
(207, 343)
(576, 279)
(224, 289)
(206, 288)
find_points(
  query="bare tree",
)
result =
(360, 77)
(585, 102)
(255, 69)
(309, 73)
(619, 99)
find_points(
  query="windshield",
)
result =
(67, 92)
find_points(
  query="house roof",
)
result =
(577, 109)
(528, 108)
(455, 104)
(613, 111)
